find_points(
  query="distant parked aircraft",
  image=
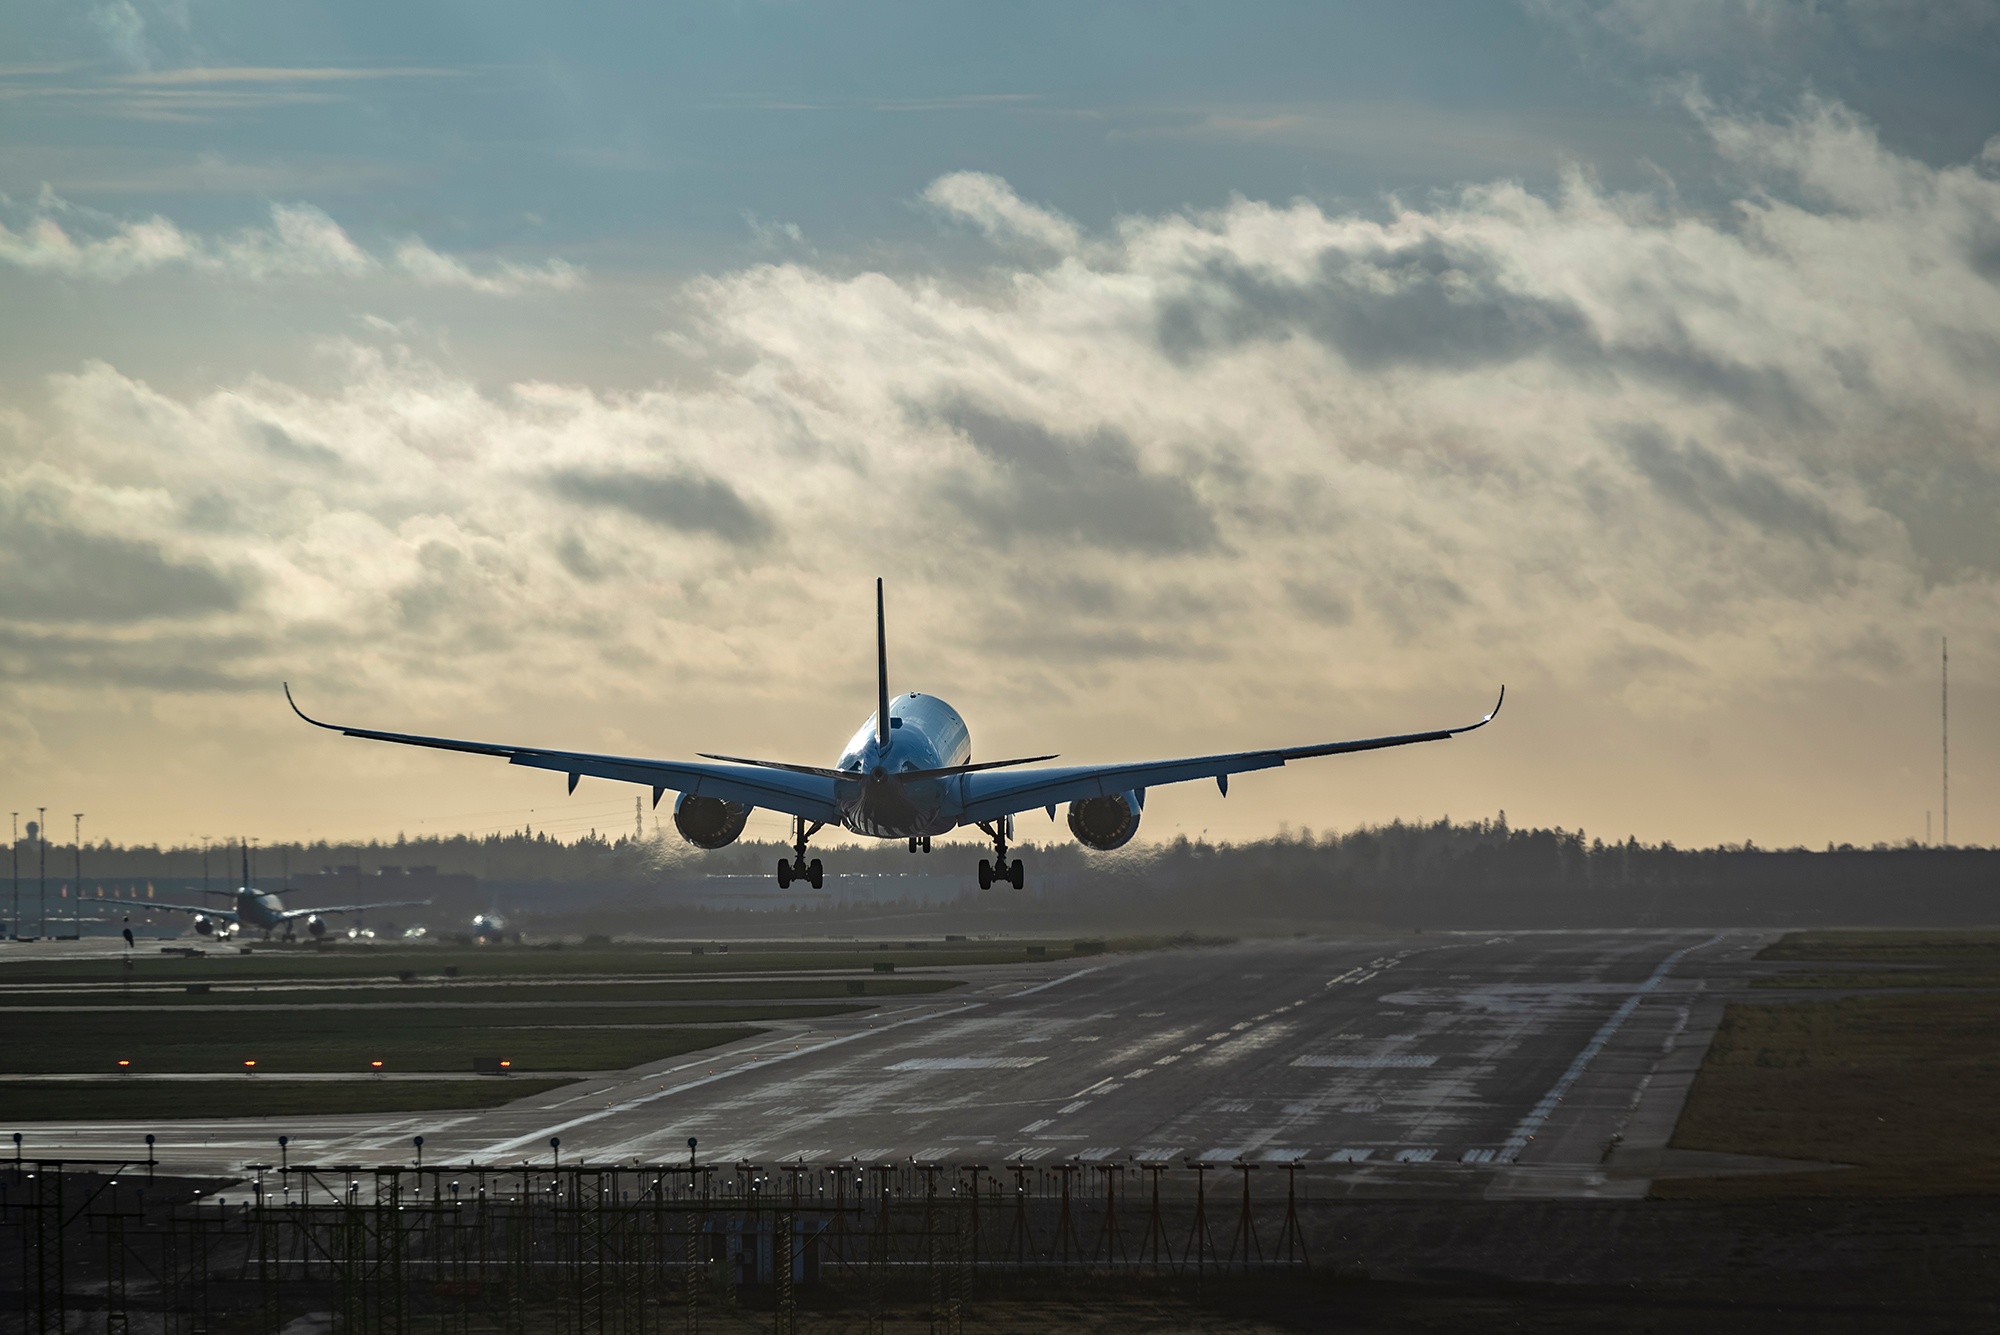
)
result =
(258, 909)
(907, 774)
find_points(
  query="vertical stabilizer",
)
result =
(244, 844)
(881, 671)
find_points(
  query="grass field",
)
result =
(1968, 958)
(152, 991)
(428, 963)
(422, 1008)
(1901, 1086)
(258, 1097)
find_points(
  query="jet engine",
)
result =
(1105, 823)
(204, 925)
(316, 925)
(709, 822)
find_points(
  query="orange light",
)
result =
(124, 1061)
(505, 1064)
(249, 1064)
(376, 1065)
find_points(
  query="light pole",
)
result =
(42, 872)
(76, 900)
(14, 845)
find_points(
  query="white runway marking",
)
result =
(964, 1063)
(1406, 1062)
(1532, 1123)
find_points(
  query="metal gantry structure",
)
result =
(588, 1248)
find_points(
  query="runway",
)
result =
(1485, 1063)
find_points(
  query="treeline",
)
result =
(1444, 873)
(1486, 874)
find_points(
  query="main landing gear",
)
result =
(798, 869)
(999, 869)
(920, 843)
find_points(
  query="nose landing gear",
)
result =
(999, 869)
(798, 869)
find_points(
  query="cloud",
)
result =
(1612, 440)
(55, 570)
(1091, 490)
(686, 501)
(990, 204)
(1744, 30)
(432, 269)
(301, 242)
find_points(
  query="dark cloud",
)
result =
(1317, 601)
(579, 560)
(1697, 479)
(1061, 640)
(50, 573)
(1413, 602)
(1948, 501)
(1429, 303)
(685, 501)
(1762, 391)
(1090, 489)
(285, 445)
(162, 662)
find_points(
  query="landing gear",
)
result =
(920, 843)
(798, 869)
(999, 869)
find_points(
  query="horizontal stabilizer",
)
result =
(861, 776)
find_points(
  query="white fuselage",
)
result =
(925, 733)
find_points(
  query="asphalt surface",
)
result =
(1493, 1064)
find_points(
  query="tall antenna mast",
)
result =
(1944, 721)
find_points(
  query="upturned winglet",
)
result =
(330, 727)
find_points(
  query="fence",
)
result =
(597, 1249)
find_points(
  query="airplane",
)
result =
(258, 909)
(907, 774)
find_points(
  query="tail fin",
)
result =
(244, 844)
(881, 670)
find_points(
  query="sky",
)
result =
(1198, 377)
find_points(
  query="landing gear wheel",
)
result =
(798, 869)
(1000, 869)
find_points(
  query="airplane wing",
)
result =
(809, 795)
(993, 795)
(290, 914)
(228, 915)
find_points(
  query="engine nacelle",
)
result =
(316, 925)
(709, 822)
(204, 925)
(1105, 823)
